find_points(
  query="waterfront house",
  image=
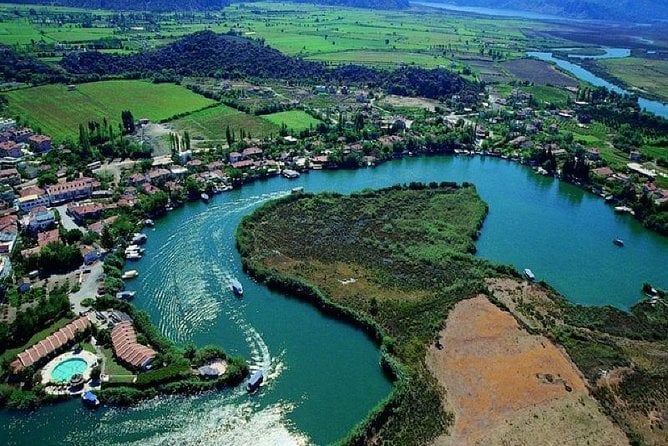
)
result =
(603, 172)
(127, 349)
(252, 152)
(51, 344)
(158, 175)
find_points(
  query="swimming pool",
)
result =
(64, 371)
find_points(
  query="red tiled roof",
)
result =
(50, 344)
(124, 342)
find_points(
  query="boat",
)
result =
(205, 197)
(529, 274)
(237, 287)
(622, 209)
(133, 255)
(148, 222)
(290, 174)
(255, 381)
(297, 190)
(125, 295)
(89, 399)
(619, 242)
(139, 239)
(130, 274)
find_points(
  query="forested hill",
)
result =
(231, 57)
(19, 68)
(617, 10)
(200, 5)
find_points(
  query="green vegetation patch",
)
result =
(648, 75)
(296, 120)
(58, 112)
(212, 123)
(396, 260)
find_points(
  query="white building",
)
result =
(29, 202)
(41, 218)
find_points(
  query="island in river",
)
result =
(478, 355)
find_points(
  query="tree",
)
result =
(128, 122)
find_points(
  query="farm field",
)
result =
(296, 120)
(381, 59)
(645, 74)
(58, 112)
(539, 73)
(211, 124)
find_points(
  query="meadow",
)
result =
(56, 111)
(296, 120)
(649, 75)
(211, 124)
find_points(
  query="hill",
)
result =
(232, 57)
(621, 10)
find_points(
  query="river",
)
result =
(324, 374)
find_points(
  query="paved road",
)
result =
(89, 284)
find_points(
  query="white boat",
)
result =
(290, 174)
(622, 209)
(134, 255)
(130, 274)
(297, 190)
(237, 288)
(148, 222)
(204, 197)
(138, 238)
(529, 274)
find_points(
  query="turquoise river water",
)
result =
(324, 375)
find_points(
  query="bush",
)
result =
(22, 400)
(163, 375)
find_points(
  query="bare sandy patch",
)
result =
(507, 386)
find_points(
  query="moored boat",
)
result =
(205, 197)
(89, 399)
(255, 380)
(130, 274)
(237, 287)
(529, 274)
(290, 174)
(139, 238)
(125, 295)
(619, 242)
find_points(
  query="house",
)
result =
(44, 238)
(70, 190)
(11, 149)
(39, 143)
(149, 189)
(51, 344)
(635, 155)
(158, 175)
(98, 226)
(602, 172)
(10, 176)
(233, 157)
(243, 164)
(90, 254)
(32, 197)
(22, 135)
(88, 211)
(23, 285)
(9, 228)
(137, 179)
(594, 154)
(251, 152)
(40, 218)
(127, 349)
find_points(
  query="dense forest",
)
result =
(232, 57)
(620, 10)
(20, 68)
(199, 5)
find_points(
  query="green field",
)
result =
(58, 112)
(548, 94)
(296, 120)
(648, 75)
(211, 124)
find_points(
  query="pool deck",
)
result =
(59, 388)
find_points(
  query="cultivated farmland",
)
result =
(58, 112)
(211, 124)
(296, 120)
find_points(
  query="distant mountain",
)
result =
(616, 10)
(199, 5)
